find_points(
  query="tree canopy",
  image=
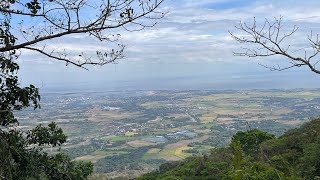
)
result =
(21, 151)
(294, 155)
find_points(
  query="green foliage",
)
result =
(237, 160)
(12, 96)
(51, 135)
(21, 152)
(250, 141)
(261, 171)
(293, 156)
(25, 160)
(213, 166)
(297, 151)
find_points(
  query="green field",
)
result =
(106, 136)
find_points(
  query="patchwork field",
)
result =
(133, 132)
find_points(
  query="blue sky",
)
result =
(191, 42)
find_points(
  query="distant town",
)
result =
(133, 132)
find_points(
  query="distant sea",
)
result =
(124, 77)
(266, 80)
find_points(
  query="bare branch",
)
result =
(61, 18)
(269, 40)
(103, 58)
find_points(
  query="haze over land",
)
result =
(135, 131)
(175, 77)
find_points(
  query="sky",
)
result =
(190, 48)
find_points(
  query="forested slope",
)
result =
(254, 155)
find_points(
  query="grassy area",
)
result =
(109, 153)
(207, 125)
(153, 151)
(130, 134)
(99, 155)
(207, 118)
(138, 143)
(154, 104)
(122, 138)
(167, 152)
(204, 148)
(306, 95)
(180, 152)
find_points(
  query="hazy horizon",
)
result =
(260, 78)
(190, 48)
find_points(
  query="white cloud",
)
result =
(195, 33)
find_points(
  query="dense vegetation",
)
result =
(21, 151)
(22, 154)
(254, 155)
(132, 160)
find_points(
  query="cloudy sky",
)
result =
(188, 49)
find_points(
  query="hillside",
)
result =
(254, 155)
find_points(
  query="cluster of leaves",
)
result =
(21, 151)
(254, 155)
(12, 96)
(34, 6)
(22, 155)
(127, 13)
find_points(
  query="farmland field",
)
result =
(133, 132)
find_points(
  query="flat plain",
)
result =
(127, 133)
